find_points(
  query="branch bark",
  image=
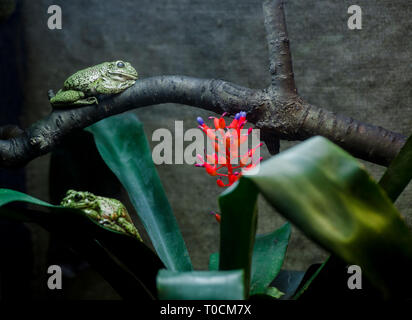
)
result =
(278, 110)
(280, 58)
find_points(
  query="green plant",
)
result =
(316, 185)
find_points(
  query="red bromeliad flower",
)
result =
(226, 142)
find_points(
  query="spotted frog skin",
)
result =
(106, 78)
(108, 212)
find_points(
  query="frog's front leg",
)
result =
(123, 220)
(128, 227)
(93, 214)
(69, 98)
(112, 225)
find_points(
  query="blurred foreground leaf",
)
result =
(330, 281)
(200, 285)
(328, 194)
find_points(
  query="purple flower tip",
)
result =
(237, 116)
(200, 121)
(243, 114)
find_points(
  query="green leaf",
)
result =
(399, 172)
(394, 181)
(200, 285)
(8, 196)
(268, 255)
(123, 146)
(117, 256)
(328, 194)
(238, 228)
(214, 261)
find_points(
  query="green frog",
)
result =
(106, 78)
(110, 213)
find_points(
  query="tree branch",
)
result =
(215, 95)
(280, 61)
(280, 58)
(278, 111)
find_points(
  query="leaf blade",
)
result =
(123, 146)
(200, 285)
(268, 255)
(328, 194)
(238, 228)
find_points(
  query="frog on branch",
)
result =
(110, 213)
(106, 78)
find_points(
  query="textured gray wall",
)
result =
(364, 74)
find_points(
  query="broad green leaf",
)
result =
(200, 285)
(238, 228)
(123, 146)
(268, 255)
(394, 180)
(399, 172)
(117, 256)
(328, 194)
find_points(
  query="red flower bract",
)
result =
(226, 142)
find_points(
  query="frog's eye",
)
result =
(78, 197)
(120, 64)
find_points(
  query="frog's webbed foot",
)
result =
(110, 225)
(93, 214)
(129, 227)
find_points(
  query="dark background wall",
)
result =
(364, 74)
